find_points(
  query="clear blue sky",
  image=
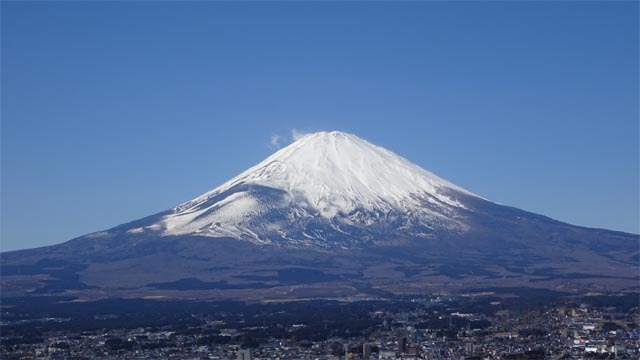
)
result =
(114, 111)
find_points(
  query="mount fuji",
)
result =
(330, 215)
(326, 190)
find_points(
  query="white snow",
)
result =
(331, 172)
(229, 213)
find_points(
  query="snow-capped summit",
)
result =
(335, 171)
(316, 188)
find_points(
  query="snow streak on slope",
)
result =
(335, 177)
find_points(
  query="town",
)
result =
(471, 326)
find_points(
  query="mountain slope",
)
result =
(346, 216)
(324, 187)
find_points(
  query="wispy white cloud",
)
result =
(275, 141)
(297, 134)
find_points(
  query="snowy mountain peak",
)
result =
(340, 171)
(325, 177)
